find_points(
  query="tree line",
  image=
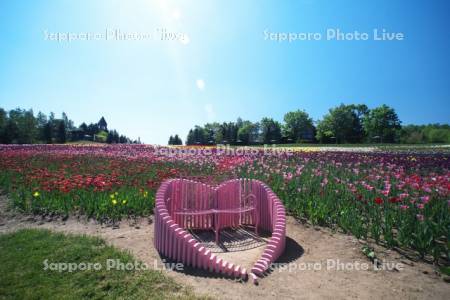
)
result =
(20, 126)
(354, 123)
(175, 140)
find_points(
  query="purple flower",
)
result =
(425, 199)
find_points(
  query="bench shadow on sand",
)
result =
(234, 240)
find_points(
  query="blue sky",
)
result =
(223, 67)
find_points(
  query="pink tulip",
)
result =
(425, 199)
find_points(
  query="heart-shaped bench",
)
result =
(184, 204)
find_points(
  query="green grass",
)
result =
(22, 276)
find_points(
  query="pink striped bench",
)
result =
(183, 204)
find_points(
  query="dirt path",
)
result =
(313, 250)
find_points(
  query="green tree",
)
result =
(113, 137)
(11, 134)
(109, 137)
(244, 134)
(48, 133)
(248, 133)
(439, 135)
(84, 128)
(92, 129)
(411, 134)
(101, 136)
(122, 139)
(41, 121)
(102, 125)
(3, 122)
(190, 138)
(61, 136)
(177, 140)
(51, 117)
(435, 133)
(229, 132)
(343, 124)
(213, 133)
(412, 137)
(270, 131)
(381, 124)
(298, 126)
(26, 125)
(325, 130)
(67, 122)
(22, 127)
(199, 136)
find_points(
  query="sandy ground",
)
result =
(310, 255)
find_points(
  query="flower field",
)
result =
(398, 199)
